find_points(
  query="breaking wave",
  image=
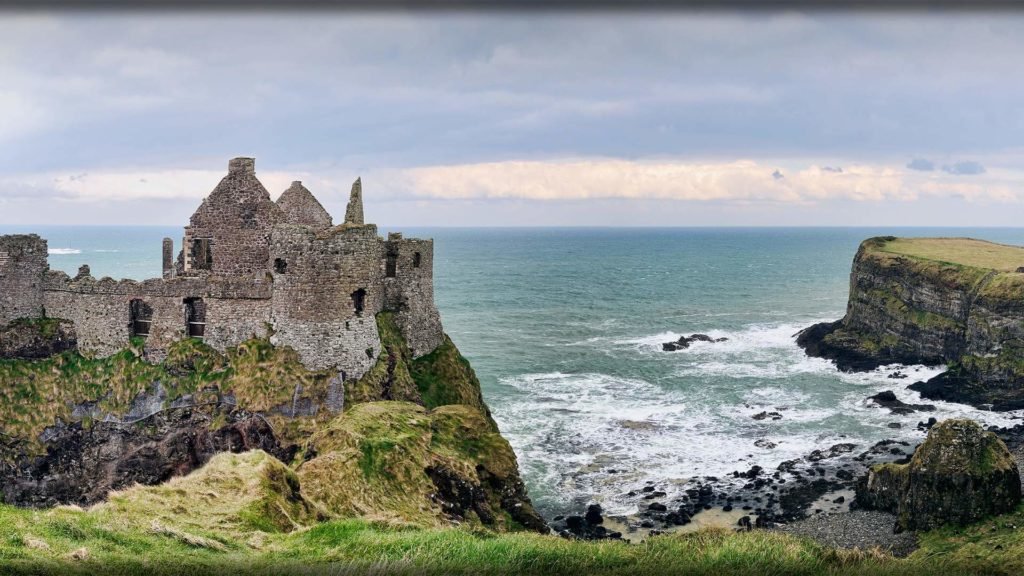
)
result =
(596, 436)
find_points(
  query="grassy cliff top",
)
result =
(961, 251)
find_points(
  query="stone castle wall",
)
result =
(23, 261)
(236, 219)
(271, 272)
(100, 309)
(409, 292)
(316, 280)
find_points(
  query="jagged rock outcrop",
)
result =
(37, 338)
(83, 464)
(959, 475)
(354, 210)
(934, 301)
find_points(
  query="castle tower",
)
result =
(23, 262)
(354, 211)
(300, 207)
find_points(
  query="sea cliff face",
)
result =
(410, 442)
(952, 301)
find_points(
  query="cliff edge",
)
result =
(952, 301)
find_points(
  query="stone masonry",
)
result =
(22, 264)
(248, 267)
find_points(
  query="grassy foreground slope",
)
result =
(140, 532)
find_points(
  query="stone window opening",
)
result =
(141, 318)
(195, 317)
(359, 300)
(415, 259)
(280, 265)
(202, 253)
(391, 265)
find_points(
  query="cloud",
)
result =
(969, 168)
(737, 181)
(921, 164)
(130, 185)
(834, 169)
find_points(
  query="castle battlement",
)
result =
(247, 267)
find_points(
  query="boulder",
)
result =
(959, 475)
(888, 399)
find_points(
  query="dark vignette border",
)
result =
(514, 5)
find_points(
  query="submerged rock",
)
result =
(959, 475)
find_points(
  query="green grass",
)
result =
(961, 251)
(116, 545)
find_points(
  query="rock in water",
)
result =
(959, 475)
(685, 341)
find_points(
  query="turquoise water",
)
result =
(564, 328)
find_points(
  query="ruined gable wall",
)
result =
(238, 216)
(23, 261)
(235, 310)
(299, 206)
(410, 293)
(315, 275)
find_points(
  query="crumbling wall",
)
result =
(100, 309)
(409, 292)
(23, 261)
(299, 206)
(235, 220)
(315, 278)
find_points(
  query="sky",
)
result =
(653, 118)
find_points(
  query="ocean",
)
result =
(564, 327)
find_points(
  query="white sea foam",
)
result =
(63, 251)
(699, 421)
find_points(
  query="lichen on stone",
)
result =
(960, 474)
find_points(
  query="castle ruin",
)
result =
(247, 267)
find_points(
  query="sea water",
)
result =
(564, 328)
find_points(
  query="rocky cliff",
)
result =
(410, 442)
(952, 301)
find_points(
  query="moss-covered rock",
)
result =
(389, 378)
(232, 494)
(400, 463)
(960, 474)
(32, 338)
